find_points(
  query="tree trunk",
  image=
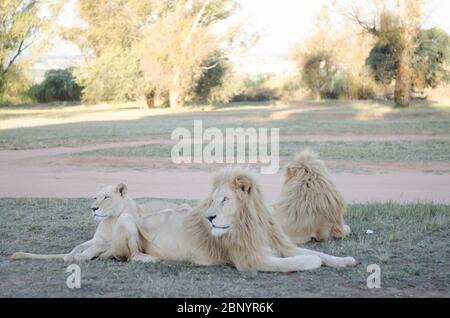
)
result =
(316, 93)
(317, 96)
(174, 91)
(150, 99)
(174, 98)
(402, 94)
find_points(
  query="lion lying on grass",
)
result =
(232, 226)
(113, 209)
(310, 206)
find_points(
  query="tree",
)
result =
(318, 73)
(429, 60)
(218, 82)
(146, 48)
(19, 26)
(396, 27)
(112, 76)
(179, 42)
(382, 63)
(109, 24)
(110, 32)
(327, 67)
(58, 85)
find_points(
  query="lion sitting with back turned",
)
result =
(310, 206)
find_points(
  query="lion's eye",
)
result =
(225, 199)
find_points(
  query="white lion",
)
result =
(232, 226)
(310, 206)
(113, 209)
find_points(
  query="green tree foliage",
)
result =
(431, 59)
(19, 26)
(109, 35)
(58, 85)
(382, 64)
(140, 48)
(328, 68)
(218, 83)
(394, 24)
(429, 62)
(112, 76)
(318, 73)
(16, 87)
(178, 43)
(109, 24)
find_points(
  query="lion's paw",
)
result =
(143, 258)
(19, 255)
(68, 259)
(347, 229)
(350, 261)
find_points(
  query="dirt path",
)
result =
(26, 173)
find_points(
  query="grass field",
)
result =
(410, 244)
(51, 126)
(405, 151)
(410, 241)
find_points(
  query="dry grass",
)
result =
(410, 244)
(50, 126)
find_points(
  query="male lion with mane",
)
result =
(310, 205)
(232, 226)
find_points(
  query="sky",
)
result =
(280, 24)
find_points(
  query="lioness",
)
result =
(113, 209)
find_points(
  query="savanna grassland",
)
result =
(365, 139)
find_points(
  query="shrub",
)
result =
(58, 85)
(258, 89)
(15, 89)
(218, 83)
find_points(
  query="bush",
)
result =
(58, 85)
(429, 64)
(113, 76)
(218, 83)
(346, 86)
(15, 89)
(262, 88)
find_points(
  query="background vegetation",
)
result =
(169, 53)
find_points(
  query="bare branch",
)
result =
(352, 15)
(22, 47)
(210, 67)
(196, 23)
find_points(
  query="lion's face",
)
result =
(108, 202)
(231, 189)
(222, 209)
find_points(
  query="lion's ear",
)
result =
(243, 183)
(100, 187)
(122, 189)
(290, 172)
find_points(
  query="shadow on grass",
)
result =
(298, 120)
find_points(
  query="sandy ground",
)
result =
(41, 173)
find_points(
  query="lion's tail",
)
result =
(21, 256)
